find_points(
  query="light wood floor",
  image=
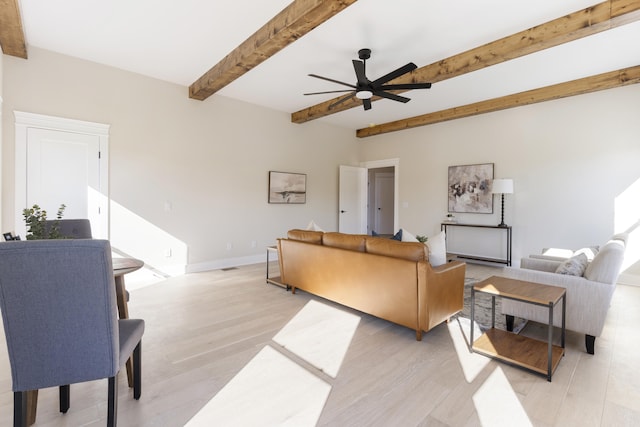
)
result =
(202, 329)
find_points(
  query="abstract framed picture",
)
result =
(470, 188)
(286, 187)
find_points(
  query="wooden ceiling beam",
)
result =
(11, 33)
(610, 80)
(293, 22)
(585, 22)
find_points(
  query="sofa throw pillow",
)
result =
(437, 249)
(408, 237)
(574, 266)
(606, 265)
(590, 252)
(314, 227)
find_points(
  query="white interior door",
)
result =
(384, 203)
(352, 206)
(62, 168)
(59, 166)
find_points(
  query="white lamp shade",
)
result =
(502, 186)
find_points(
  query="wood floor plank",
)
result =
(203, 328)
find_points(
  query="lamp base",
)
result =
(502, 224)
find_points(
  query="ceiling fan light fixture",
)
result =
(364, 94)
(364, 89)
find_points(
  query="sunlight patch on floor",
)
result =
(320, 335)
(270, 390)
(472, 364)
(497, 403)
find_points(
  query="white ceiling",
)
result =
(178, 41)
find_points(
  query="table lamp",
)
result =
(502, 186)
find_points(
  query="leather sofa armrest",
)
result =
(443, 295)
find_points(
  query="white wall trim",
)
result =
(60, 123)
(229, 262)
(629, 279)
(24, 121)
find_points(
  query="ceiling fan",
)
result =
(364, 89)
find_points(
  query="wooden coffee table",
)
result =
(534, 355)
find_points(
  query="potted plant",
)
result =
(35, 218)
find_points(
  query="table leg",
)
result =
(472, 315)
(493, 311)
(123, 312)
(267, 281)
(32, 406)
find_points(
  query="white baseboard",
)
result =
(229, 262)
(629, 279)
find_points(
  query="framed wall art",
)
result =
(470, 188)
(286, 187)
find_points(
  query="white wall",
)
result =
(571, 160)
(1, 102)
(208, 161)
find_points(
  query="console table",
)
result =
(507, 229)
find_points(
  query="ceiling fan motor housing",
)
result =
(364, 54)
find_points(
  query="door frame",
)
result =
(24, 121)
(395, 163)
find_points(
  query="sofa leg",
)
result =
(509, 321)
(590, 342)
(418, 335)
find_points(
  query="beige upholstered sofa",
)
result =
(389, 279)
(588, 294)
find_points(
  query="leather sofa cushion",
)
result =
(352, 242)
(412, 251)
(308, 236)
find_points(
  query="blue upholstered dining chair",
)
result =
(58, 303)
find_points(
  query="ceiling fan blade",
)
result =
(343, 99)
(329, 91)
(332, 80)
(358, 66)
(405, 86)
(394, 74)
(366, 103)
(392, 96)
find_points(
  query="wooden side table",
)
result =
(515, 349)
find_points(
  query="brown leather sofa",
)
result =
(386, 278)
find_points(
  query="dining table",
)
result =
(121, 267)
